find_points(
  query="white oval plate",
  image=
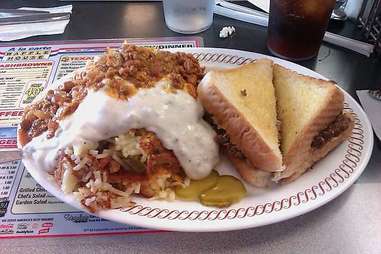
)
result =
(327, 180)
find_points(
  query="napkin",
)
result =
(372, 107)
(262, 4)
(19, 31)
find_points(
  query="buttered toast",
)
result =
(273, 123)
(241, 102)
(306, 108)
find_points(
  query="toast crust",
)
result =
(241, 132)
(315, 155)
(300, 156)
(263, 179)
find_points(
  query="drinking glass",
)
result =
(188, 16)
(297, 27)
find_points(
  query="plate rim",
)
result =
(243, 57)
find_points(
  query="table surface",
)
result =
(349, 224)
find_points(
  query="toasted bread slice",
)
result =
(242, 101)
(295, 170)
(306, 106)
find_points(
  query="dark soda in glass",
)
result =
(296, 27)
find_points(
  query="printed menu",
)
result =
(26, 208)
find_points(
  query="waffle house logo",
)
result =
(27, 53)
